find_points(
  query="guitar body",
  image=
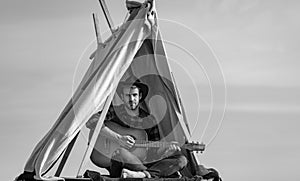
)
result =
(105, 147)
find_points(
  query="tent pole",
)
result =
(66, 155)
(187, 131)
(94, 137)
(107, 15)
(97, 28)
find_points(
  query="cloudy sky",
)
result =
(256, 44)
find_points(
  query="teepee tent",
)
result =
(134, 49)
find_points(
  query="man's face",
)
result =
(131, 97)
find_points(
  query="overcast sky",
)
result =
(256, 43)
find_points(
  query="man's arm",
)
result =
(123, 140)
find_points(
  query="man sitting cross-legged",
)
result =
(159, 162)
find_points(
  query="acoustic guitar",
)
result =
(105, 147)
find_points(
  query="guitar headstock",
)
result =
(195, 146)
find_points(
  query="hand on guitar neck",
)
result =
(169, 150)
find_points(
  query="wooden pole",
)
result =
(97, 28)
(107, 15)
(65, 157)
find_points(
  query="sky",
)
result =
(252, 44)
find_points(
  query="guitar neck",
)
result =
(151, 144)
(158, 144)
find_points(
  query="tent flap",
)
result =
(100, 81)
(135, 49)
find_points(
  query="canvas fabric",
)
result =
(135, 49)
(98, 84)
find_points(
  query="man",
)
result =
(161, 162)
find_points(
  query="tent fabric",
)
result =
(135, 49)
(161, 99)
(100, 81)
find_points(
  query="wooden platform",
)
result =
(29, 177)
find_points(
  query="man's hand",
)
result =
(168, 151)
(126, 141)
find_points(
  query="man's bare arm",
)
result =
(123, 140)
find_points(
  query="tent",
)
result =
(135, 48)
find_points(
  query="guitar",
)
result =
(105, 147)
